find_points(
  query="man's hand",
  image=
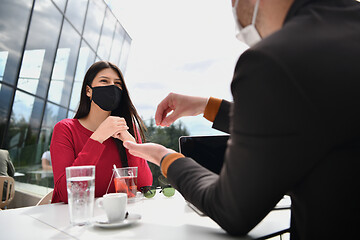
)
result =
(150, 151)
(180, 106)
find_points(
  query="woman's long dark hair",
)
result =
(125, 109)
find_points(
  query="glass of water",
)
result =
(80, 182)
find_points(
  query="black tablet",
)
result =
(208, 151)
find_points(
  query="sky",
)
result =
(182, 46)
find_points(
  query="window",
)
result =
(86, 58)
(106, 36)
(93, 23)
(64, 67)
(40, 48)
(5, 98)
(16, 14)
(60, 4)
(52, 115)
(24, 129)
(31, 69)
(75, 12)
(3, 58)
(117, 44)
(125, 53)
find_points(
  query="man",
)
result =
(46, 161)
(6, 169)
(6, 165)
(294, 124)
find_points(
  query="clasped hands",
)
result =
(113, 126)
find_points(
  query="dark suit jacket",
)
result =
(295, 129)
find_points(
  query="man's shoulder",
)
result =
(4, 152)
(315, 30)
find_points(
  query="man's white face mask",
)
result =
(248, 34)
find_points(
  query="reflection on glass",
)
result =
(22, 107)
(31, 70)
(75, 12)
(60, 4)
(71, 114)
(64, 67)
(52, 115)
(125, 53)
(14, 17)
(93, 23)
(86, 58)
(41, 43)
(24, 128)
(3, 58)
(117, 44)
(5, 98)
(58, 76)
(106, 36)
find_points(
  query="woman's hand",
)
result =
(124, 136)
(112, 126)
(181, 105)
(150, 151)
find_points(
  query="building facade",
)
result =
(46, 46)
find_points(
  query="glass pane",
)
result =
(125, 54)
(52, 115)
(64, 67)
(85, 60)
(117, 44)
(71, 114)
(3, 59)
(5, 98)
(15, 13)
(93, 23)
(23, 130)
(40, 48)
(31, 69)
(60, 4)
(106, 36)
(75, 12)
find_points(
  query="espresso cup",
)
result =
(114, 205)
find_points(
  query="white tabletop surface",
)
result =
(161, 218)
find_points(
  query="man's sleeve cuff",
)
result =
(212, 108)
(168, 160)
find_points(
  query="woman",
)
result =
(105, 118)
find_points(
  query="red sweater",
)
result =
(71, 145)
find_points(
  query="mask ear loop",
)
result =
(112, 176)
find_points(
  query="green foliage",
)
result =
(166, 136)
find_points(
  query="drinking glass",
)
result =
(125, 180)
(81, 193)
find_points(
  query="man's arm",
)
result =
(269, 150)
(45, 164)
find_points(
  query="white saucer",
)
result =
(131, 218)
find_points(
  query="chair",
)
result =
(9, 183)
(46, 199)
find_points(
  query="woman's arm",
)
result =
(63, 155)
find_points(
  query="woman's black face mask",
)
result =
(107, 98)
